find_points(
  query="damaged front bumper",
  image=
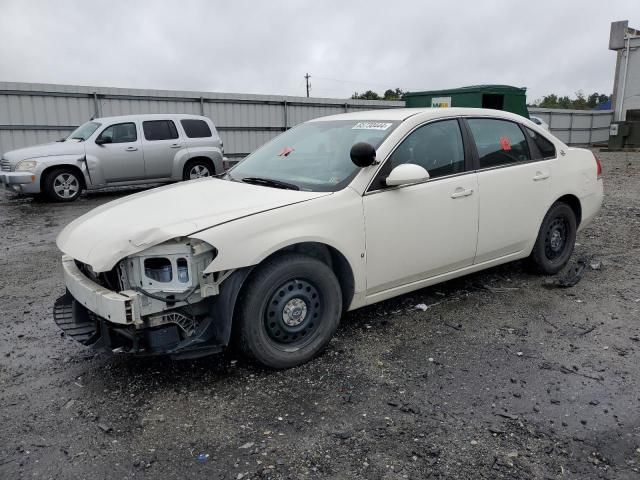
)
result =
(20, 182)
(103, 319)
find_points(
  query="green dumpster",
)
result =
(497, 97)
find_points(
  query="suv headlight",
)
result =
(26, 166)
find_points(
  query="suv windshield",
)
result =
(312, 156)
(84, 131)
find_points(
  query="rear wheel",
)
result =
(289, 310)
(62, 185)
(555, 241)
(197, 169)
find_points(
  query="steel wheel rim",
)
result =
(66, 185)
(198, 171)
(555, 241)
(293, 312)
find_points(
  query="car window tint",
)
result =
(499, 142)
(546, 149)
(437, 147)
(196, 128)
(120, 133)
(159, 130)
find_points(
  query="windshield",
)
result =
(84, 131)
(313, 156)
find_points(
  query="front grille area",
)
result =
(5, 165)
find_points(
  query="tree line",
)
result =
(580, 102)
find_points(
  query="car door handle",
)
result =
(131, 149)
(461, 192)
(540, 176)
(175, 145)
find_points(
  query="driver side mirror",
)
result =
(103, 140)
(406, 174)
(363, 154)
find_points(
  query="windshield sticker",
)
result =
(285, 152)
(371, 126)
(505, 144)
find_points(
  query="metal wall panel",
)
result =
(36, 113)
(577, 127)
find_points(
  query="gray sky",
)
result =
(267, 46)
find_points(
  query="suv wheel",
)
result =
(62, 185)
(289, 310)
(555, 241)
(197, 169)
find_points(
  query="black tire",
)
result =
(556, 239)
(205, 167)
(288, 311)
(62, 185)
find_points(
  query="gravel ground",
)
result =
(501, 377)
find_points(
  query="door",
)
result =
(161, 144)
(120, 157)
(418, 231)
(514, 188)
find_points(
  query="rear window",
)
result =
(159, 130)
(196, 128)
(499, 142)
(545, 149)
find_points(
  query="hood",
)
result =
(45, 150)
(131, 224)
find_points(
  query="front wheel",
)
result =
(289, 310)
(555, 241)
(62, 185)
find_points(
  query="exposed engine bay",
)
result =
(168, 303)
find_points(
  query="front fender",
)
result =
(74, 160)
(334, 220)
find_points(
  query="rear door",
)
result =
(161, 143)
(121, 159)
(514, 187)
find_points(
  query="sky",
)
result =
(266, 47)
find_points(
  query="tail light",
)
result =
(598, 166)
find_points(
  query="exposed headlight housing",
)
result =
(26, 166)
(171, 267)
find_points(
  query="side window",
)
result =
(196, 128)
(546, 149)
(120, 133)
(437, 147)
(159, 130)
(499, 142)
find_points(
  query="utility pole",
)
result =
(307, 77)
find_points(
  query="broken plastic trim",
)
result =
(572, 277)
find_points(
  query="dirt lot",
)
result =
(501, 377)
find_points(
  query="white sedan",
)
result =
(334, 214)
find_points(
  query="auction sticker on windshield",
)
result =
(371, 126)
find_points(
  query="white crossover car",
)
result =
(539, 121)
(334, 214)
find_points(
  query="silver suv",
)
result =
(115, 151)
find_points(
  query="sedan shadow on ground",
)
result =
(373, 319)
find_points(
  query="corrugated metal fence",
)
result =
(577, 127)
(37, 113)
